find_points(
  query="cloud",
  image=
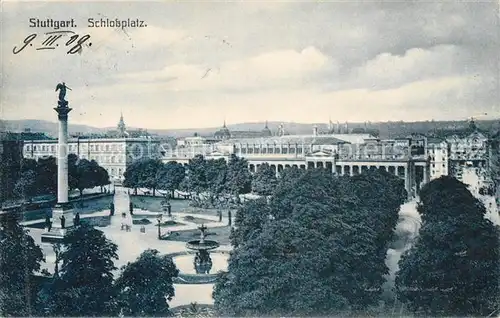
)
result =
(304, 61)
(416, 64)
(264, 70)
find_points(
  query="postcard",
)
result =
(250, 158)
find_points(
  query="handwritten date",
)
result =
(51, 40)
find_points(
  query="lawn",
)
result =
(98, 221)
(84, 207)
(153, 204)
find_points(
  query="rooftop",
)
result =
(331, 139)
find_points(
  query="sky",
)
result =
(198, 63)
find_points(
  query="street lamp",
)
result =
(158, 218)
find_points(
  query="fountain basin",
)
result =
(187, 272)
(204, 245)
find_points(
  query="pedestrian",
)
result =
(48, 223)
(63, 221)
(77, 219)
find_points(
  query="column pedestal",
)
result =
(56, 233)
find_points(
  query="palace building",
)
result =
(112, 153)
(415, 158)
(340, 153)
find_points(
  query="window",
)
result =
(52, 148)
(107, 147)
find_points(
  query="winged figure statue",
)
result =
(61, 87)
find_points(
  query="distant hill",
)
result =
(48, 127)
(385, 129)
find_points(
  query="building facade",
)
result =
(342, 154)
(438, 151)
(113, 154)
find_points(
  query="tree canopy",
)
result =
(170, 176)
(20, 259)
(84, 286)
(153, 174)
(453, 268)
(145, 285)
(314, 249)
(264, 180)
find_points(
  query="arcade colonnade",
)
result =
(414, 173)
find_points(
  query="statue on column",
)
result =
(61, 87)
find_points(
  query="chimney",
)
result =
(315, 130)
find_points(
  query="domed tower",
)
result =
(266, 132)
(122, 129)
(223, 133)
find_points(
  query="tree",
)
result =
(264, 180)
(239, 178)
(73, 171)
(85, 175)
(20, 259)
(145, 285)
(216, 176)
(305, 252)
(196, 180)
(46, 175)
(26, 185)
(84, 286)
(131, 176)
(148, 170)
(453, 267)
(170, 176)
(102, 177)
(249, 221)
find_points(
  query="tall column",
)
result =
(62, 155)
(62, 215)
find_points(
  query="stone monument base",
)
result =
(56, 233)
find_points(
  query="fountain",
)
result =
(202, 260)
